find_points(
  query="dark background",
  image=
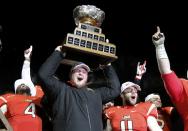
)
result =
(129, 25)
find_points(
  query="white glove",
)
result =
(28, 52)
(158, 38)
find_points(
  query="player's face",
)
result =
(156, 100)
(23, 90)
(79, 77)
(130, 96)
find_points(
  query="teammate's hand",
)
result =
(141, 69)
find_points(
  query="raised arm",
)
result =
(108, 126)
(172, 84)
(47, 71)
(26, 71)
(152, 124)
(112, 90)
(25, 74)
(162, 59)
(140, 71)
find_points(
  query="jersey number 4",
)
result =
(30, 110)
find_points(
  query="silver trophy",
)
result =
(88, 14)
(87, 43)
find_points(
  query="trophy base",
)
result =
(91, 58)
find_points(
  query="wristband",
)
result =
(161, 52)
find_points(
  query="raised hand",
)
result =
(158, 38)
(28, 52)
(58, 48)
(141, 69)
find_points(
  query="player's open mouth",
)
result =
(80, 79)
(133, 97)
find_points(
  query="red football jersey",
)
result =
(178, 91)
(131, 117)
(164, 118)
(21, 111)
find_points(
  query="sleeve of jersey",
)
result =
(173, 86)
(151, 110)
(39, 95)
(3, 104)
(39, 91)
(109, 112)
(2, 100)
(168, 110)
(26, 71)
(26, 75)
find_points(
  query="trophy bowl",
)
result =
(89, 14)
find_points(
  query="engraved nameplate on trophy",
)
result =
(87, 43)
